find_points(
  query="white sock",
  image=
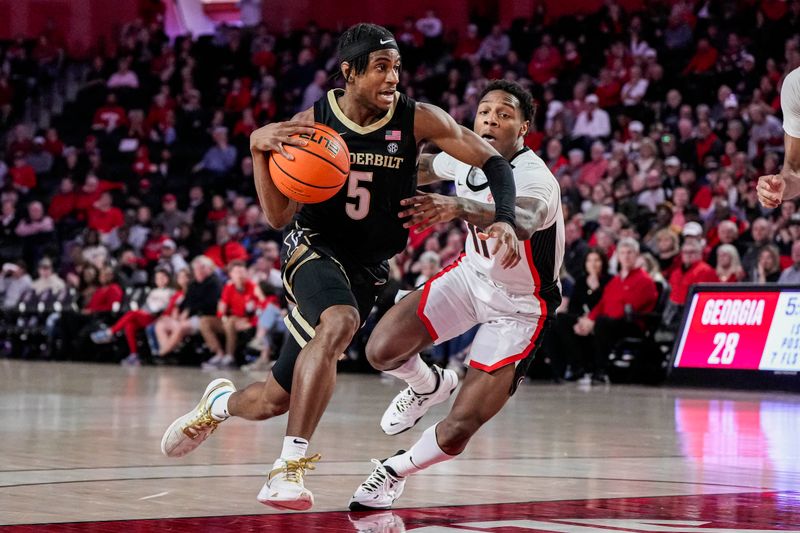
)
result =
(425, 452)
(219, 406)
(294, 448)
(419, 376)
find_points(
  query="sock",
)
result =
(426, 452)
(294, 448)
(419, 376)
(219, 406)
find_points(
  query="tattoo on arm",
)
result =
(530, 214)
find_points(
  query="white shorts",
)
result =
(459, 297)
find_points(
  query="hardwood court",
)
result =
(80, 443)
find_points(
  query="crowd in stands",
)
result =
(132, 172)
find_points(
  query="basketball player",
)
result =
(513, 306)
(774, 189)
(334, 258)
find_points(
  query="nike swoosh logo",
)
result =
(296, 441)
(386, 41)
(393, 424)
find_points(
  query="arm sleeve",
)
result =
(444, 166)
(501, 182)
(790, 103)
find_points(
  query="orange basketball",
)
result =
(318, 171)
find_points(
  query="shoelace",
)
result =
(377, 478)
(203, 421)
(294, 470)
(406, 401)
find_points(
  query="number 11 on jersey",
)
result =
(480, 246)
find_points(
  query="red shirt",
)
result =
(174, 302)
(23, 176)
(151, 250)
(224, 254)
(637, 290)
(104, 298)
(681, 281)
(105, 221)
(61, 205)
(237, 301)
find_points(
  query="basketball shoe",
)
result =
(189, 431)
(284, 488)
(408, 407)
(380, 490)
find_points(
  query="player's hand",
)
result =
(770, 190)
(428, 209)
(505, 235)
(272, 137)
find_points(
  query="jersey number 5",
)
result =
(360, 195)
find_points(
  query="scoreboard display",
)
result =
(752, 328)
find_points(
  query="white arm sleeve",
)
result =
(790, 103)
(444, 166)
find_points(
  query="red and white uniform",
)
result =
(513, 304)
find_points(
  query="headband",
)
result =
(365, 46)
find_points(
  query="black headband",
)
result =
(365, 46)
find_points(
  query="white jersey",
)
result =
(537, 272)
(790, 103)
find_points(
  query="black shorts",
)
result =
(316, 278)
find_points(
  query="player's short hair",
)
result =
(516, 90)
(367, 34)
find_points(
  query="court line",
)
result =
(748, 487)
(529, 502)
(339, 461)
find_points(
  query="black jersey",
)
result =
(361, 220)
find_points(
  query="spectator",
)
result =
(634, 89)
(14, 284)
(200, 301)
(171, 217)
(494, 46)
(668, 251)
(236, 312)
(693, 270)
(430, 25)
(225, 250)
(761, 232)
(132, 322)
(729, 266)
(48, 280)
(791, 275)
(220, 158)
(585, 295)
(23, 177)
(106, 219)
(631, 291)
(768, 268)
(171, 260)
(63, 204)
(124, 77)
(40, 160)
(593, 122)
(162, 329)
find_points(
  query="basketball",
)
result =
(318, 170)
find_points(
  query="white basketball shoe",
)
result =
(380, 490)
(408, 407)
(192, 429)
(284, 488)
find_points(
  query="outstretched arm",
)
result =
(433, 124)
(428, 209)
(278, 209)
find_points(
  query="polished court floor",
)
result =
(80, 449)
